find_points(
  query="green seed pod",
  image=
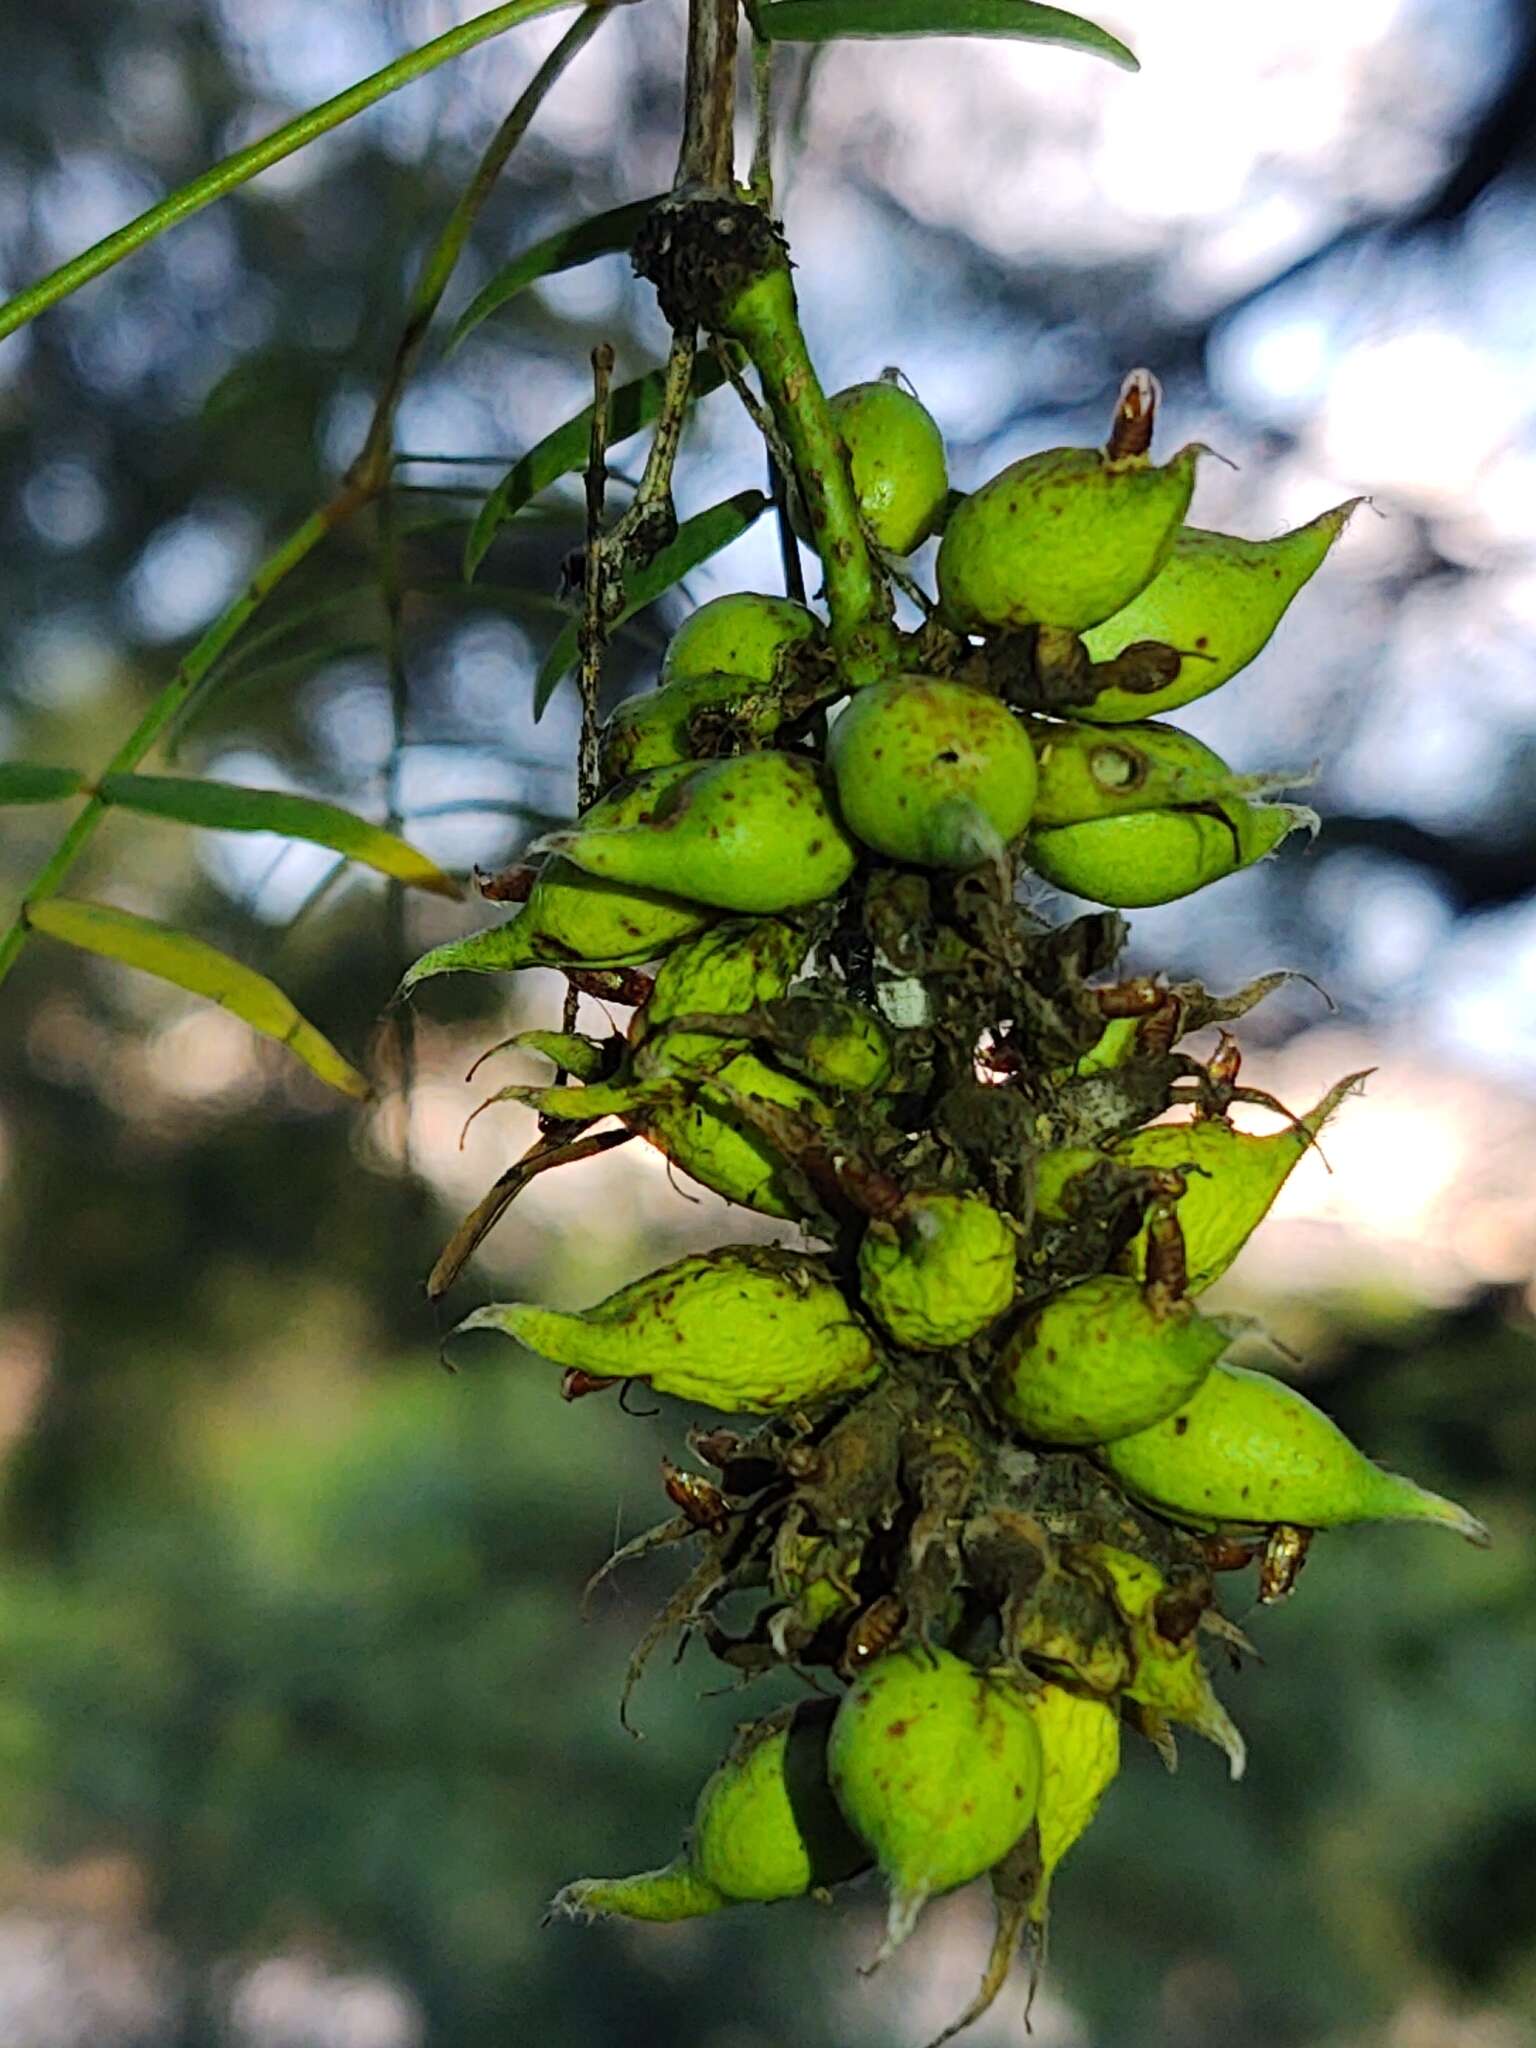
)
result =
(1248, 1448)
(1055, 1172)
(743, 1329)
(1158, 856)
(1067, 537)
(1080, 1742)
(752, 834)
(1099, 1361)
(833, 1041)
(1216, 600)
(743, 634)
(737, 965)
(896, 460)
(941, 1272)
(573, 919)
(934, 773)
(709, 1138)
(657, 728)
(765, 1827)
(1080, 1748)
(938, 1769)
(1169, 1676)
(1086, 773)
(1232, 1179)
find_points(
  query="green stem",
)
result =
(765, 320)
(247, 163)
(283, 559)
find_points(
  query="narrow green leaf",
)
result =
(258, 156)
(822, 21)
(631, 407)
(202, 970)
(24, 782)
(600, 234)
(705, 534)
(227, 807)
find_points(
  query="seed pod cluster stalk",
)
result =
(996, 1446)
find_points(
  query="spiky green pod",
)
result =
(940, 1272)
(660, 727)
(742, 634)
(574, 919)
(937, 1767)
(1158, 856)
(1087, 773)
(1101, 1360)
(754, 834)
(1248, 1448)
(1216, 600)
(765, 1827)
(930, 772)
(742, 1329)
(896, 460)
(1169, 1675)
(1232, 1178)
(1063, 538)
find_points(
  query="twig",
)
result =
(760, 179)
(706, 160)
(594, 610)
(789, 546)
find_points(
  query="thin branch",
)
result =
(760, 179)
(707, 159)
(594, 612)
(789, 547)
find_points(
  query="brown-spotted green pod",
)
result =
(1247, 1448)
(753, 834)
(1149, 857)
(940, 1272)
(1215, 601)
(1087, 773)
(1066, 538)
(765, 1827)
(743, 1329)
(743, 634)
(932, 773)
(937, 1767)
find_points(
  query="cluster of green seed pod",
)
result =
(1001, 1452)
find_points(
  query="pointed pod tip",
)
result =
(1435, 1507)
(900, 1919)
(503, 1316)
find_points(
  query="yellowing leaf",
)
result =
(226, 807)
(191, 963)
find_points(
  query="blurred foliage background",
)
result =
(299, 1725)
